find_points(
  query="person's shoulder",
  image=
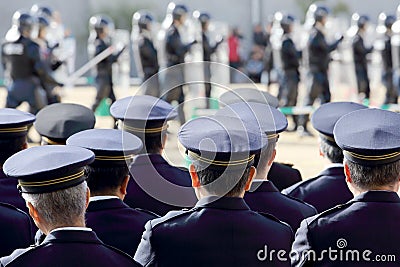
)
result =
(171, 217)
(328, 214)
(299, 186)
(147, 213)
(8, 208)
(300, 204)
(271, 219)
(17, 255)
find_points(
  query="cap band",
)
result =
(221, 163)
(53, 181)
(372, 160)
(114, 158)
(272, 136)
(49, 141)
(145, 130)
(14, 130)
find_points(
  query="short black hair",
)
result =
(234, 180)
(105, 179)
(10, 146)
(331, 152)
(370, 177)
(153, 143)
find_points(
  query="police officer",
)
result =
(391, 92)
(208, 50)
(114, 222)
(263, 196)
(155, 185)
(56, 122)
(24, 67)
(329, 188)
(102, 26)
(147, 53)
(318, 60)
(176, 51)
(366, 224)
(290, 59)
(222, 153)
(360, 53)
(52, 182)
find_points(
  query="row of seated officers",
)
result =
(104, 197)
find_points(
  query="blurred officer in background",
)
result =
(176, 51)
(208, 50)
(391, 92)
(147, 53)
(290, 61)
(360, 53)
(318, 60)
(103, 25)
(23, 66)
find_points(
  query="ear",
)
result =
(347, 173)
(124, 186)
(24, 146)
(194, 176)
(164, 140)
(252, 174)
(320, 152)
(87, 197)
(33, 212)
(271, 160)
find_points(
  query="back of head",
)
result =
(23, 21)
(179, 12)
(286, 22)
(142, 19)
(362, 21)
(320, 13)
(101, 24)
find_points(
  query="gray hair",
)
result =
(266, 155)
(333, 153)
(60, 208)
(371, 177)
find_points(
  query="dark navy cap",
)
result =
(221, 142)
(326, 116)
(269, 119)
(111, 147)
(369, 136)
(143, 114)
(45, 169)
(14, 122)
(56, 122)
(248, 95)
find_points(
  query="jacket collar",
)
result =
(377, 196)
(263, 186)
(106, 204)
(333, 171)
(145, 159)
(72, 236)
(227, 203)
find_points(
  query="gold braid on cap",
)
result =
(14, 130)
(327, 137)
(53, 181)
(272, 136)
(220, 162)
(372, 158)
(114, 158)
(49, 141)
(145, 130)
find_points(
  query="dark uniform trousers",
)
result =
(324, 191)
(69, 248)
(116, 224)
(217, 232)
(391, 91)
(263, 196)
(369, 222)
(149, 60)
(360, 62)
(157, 186)
(16, 229)
(283, 175)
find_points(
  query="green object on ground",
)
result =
(104, 108)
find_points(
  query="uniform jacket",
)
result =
(263, 196)
(360, 51)
(223, 232)
(387, 54)
(283, 175)
(148, 55)
(69, 248)
(104, 67)
(116, 224)
(208, 49)
(175, 49)
(324, 191)
(367, 222)
(9, 192)
(289, 54)
(153, 172)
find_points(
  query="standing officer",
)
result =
(220, 230)
(52, 182)
(114, 222)
(24, 67)
(176, 51)
(156, 185)
(263, 196)
(102, 26)
(368, 223)
(290, 59)
(391, 92)
(328, 189)
(147, 53)
(208, 50)
(318, 60)
(360, 53)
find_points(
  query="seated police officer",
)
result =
(367, 226)
(114, 222)
(329, 188)
(220, 230)
(13, 222)
(281, 174)
(52, 182)
(263, 196)
(56, 122)
(156, 185)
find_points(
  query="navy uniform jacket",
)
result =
(104, 67)
(368, 222)
(387, 54)
(116, 224)
(360, 52)
(289, 54)
(149, 169)
(324, 191)
(224, 232)
(15, 228)
(263, 196)
(148, 56)
(9, 192)
(69, 248)
(175, 49)
(283, 175)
